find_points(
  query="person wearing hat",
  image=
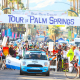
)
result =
(30, 46)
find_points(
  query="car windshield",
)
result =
(34, 55)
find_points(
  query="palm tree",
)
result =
(2, 4)
(74, 5)
(18, 2)
(21, 6)
(77, 5)
(54, 30)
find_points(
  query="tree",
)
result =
(21, 6)
(54, 31)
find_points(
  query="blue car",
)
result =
(36, 62)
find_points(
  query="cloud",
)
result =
(35, 1)
(42, 3)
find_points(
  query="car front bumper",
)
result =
(35, 70)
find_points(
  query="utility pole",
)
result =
(26, 25)
(27, 5)
(2, 8)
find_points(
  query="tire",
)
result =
(47, 73)
(21, 73)
(72, 74)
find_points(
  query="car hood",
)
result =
(34, 61)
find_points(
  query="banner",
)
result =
(9, 32)
(6, 33)
(12, 63)
(20, 35)
(5, 51)
(75, 35)
(12, 34)
(72, 35)
(51, 46)
(40, 13)
(46, 20)
(4, 41)
(69, 35)
(16, 35)
(3, 33)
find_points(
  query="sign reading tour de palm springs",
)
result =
(46, 20)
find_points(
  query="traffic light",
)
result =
(34, 26)
(47, 28)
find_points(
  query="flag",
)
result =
(9, 32)
(3, 33)
(12, 34)
(16, 35)
(6, 33)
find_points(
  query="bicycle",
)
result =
(72, 71)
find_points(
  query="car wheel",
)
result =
(47, 73)
(21, 73)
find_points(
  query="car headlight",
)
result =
(23, 63)
(45, 64)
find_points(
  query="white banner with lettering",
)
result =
(40, 13)
(46, 20)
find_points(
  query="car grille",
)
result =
(34, 65)
(34, 70)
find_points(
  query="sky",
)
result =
(55, 5)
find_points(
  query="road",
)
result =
(14, 75)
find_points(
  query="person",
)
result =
(59, 49)
(39, 56)
(63, 47)
(19, 52)
(1, 53)
(15, 48)
(70, 55)
(65, 59)
(55, 51)
(30, 47)
(11, 51)
(27, 44)
(35, 46)
(77, 55)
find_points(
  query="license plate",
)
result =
(34, 62)
(35, 68)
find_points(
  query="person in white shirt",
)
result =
(77, 54)
(64, 54)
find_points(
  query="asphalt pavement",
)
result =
(14, 75)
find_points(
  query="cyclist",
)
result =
(70, 56)
(77, 55)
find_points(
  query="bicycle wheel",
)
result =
(71, 72)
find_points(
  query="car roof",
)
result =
(36, 50)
